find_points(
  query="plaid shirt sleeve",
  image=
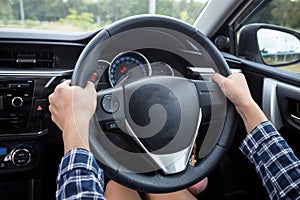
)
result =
(79, 177)
(274, 160)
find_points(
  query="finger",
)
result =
(50, 98)
(62, 85)
(89, 84)
(91, 87)
(52, 109)
(66, 82)
(218, 78)
(234, 74)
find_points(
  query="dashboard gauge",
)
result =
(161, 69)
(128, 66)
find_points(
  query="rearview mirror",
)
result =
(277, 47)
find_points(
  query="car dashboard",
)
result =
(31, 66)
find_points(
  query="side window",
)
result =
(271, 35)
(285, 13)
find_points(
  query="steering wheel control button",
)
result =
(111, 126)
(21, 157)
(17, 102)
(110, 103)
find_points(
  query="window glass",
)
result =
(284, 13)
(85, 15)
(273, 46)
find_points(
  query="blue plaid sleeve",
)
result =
(274, 160)
(79, 177)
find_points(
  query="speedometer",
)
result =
(128, 66)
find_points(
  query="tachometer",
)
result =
(128, 66)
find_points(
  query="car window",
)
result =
(279, 49)
(86, 15)
(284, 13)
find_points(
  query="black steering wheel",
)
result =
(144, 131)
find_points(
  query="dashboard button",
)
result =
(17, 102)
(40, 107)
(2, 165)
(21, 157)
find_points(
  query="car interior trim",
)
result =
(39, 133)
(40, 73)
(28, 34)
(217, 11)
(270, 103)
(34, 42)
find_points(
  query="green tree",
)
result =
(84, 19)
(280, 12)
(6, 12)
(165, 7)
(103, 11)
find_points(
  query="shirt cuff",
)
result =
(79, 159)
(262, 132)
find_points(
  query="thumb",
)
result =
(89, 84)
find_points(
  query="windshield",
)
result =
(86, 15)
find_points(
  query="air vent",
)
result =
(23, 60)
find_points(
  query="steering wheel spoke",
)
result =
(211, 98)
(169, 163)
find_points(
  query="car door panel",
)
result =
(278, 94)
(289, 103)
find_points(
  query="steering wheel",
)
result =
(145, 131)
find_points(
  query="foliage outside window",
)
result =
(284, 13)
(85, 15)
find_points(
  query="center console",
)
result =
(21, 106)
(24, 129)
(15, 104)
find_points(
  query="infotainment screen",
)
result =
(3, 151)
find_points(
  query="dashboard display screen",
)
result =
(3, 151)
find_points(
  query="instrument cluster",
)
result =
(132, 65)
